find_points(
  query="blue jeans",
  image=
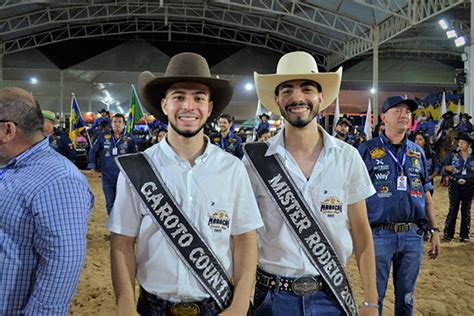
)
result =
(269, 303)
(405, 251)
(109, 186)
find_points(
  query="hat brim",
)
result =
(265, 85)
(151, 90)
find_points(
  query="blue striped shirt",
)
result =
(45, 203)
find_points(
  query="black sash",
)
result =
(304, 225)
(182, 236)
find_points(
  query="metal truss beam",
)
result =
(305, 12)
(173, 12)
(392, 7)
(418, 10)
(153, 27)
(406, 53)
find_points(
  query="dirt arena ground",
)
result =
(444, 286)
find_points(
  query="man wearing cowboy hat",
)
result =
(402, 207)
(332, 180)
(460, 166)
(104, 117)
(264, 123)
(343, 128)
(224, 213)
(58, 140)
(464, 125)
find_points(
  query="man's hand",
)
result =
(96, 174)
(435, 245)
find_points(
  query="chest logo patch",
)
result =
(331, 206)
(412, 153)
(219, 221)
(107, 136)
(377, 153)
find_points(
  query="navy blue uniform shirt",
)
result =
(60, 142)
(465, 167)
(231, 143)
(390, 205)
(104, 146)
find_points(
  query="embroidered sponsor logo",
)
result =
(108, 136)
(415, 193)
(377, 153)
(216, 139)
(416, 162)
(379, 162)
(416, 183)
(384, 192)
(331, 206)
(412, 153)
(382, 175)
(381, 168)
(219, 221)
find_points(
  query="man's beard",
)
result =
(187, 134)
(299, 122)
(341, 133)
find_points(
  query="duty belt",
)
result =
(397, 227)
(178, 309)
(303, 286)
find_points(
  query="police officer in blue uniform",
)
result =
(459, 164)
(58, 140)
(108, 146)
(402, 206)
(226, 139)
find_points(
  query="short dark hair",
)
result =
(262, 132)
(119, 115)
(25, 112)
(318, 86)
(228, 117)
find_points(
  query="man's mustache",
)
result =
(308, 104)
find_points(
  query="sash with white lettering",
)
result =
(303, 224)
(175, 226)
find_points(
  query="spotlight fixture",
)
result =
(33, 80)
(248, 86)
(372, 90)
(451, 34)
(460, 41)
(443, 24)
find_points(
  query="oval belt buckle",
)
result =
(185, 309)
(461, 181)
(306, 285)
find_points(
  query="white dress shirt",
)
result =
(217, 185)
(339, 177)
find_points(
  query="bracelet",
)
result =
(370, 305)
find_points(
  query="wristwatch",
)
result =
(434, 229)
(370, 305)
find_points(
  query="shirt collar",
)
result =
(277, 143)
(169, 151)
(40, 146)
(389, 142)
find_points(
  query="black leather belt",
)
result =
(397, 227)
(305, 285)
(178, 309)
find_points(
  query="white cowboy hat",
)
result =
(297, 66)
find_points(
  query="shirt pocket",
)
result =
(217, 222)
(330, 202)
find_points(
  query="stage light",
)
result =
(372, 90)
(460, 41)
(444, 24)
(33, 80)
(248, 86)
(451, 34)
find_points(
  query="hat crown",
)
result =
(296, 63)
(187, 65)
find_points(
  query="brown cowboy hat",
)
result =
(184, 67)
